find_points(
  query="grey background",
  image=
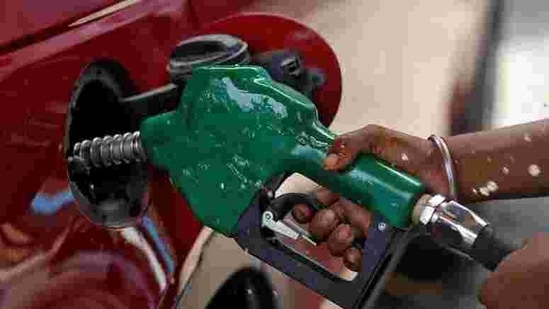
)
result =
(519, 21)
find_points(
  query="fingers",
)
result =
(352, 259)
(323, 224)
(339, 225)
(303, 213)
(340, 240)
(357, 216)
(340, 244)
(342, 211)
(326, 196)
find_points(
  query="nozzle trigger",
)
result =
(279, 227)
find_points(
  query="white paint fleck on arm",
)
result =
(492, 186)
(404, 157)
(484, 191)
(534, 170)
(505, 170)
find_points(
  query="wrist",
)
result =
(433, 173)
(447, 164)
(465, 191)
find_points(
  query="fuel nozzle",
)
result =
(460, 229)
(108, 179)
(110, 150)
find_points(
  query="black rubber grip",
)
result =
(489, 250)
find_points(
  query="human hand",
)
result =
(521, 279)
(343, 221)
(339, 224)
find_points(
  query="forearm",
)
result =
(511, 162)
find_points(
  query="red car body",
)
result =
(50, 255)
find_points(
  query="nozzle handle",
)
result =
(368, 181)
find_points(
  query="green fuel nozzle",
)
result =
(235, 130)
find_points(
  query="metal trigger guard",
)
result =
(382, 250)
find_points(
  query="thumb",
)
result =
(347, 146)
(343, 152)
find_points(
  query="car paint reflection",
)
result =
(129, 267)
(46, 204)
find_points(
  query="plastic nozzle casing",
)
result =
(235, 128)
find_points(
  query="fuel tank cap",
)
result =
(203, 50)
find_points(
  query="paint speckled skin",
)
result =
(235, 128)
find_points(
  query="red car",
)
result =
(67, 63)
